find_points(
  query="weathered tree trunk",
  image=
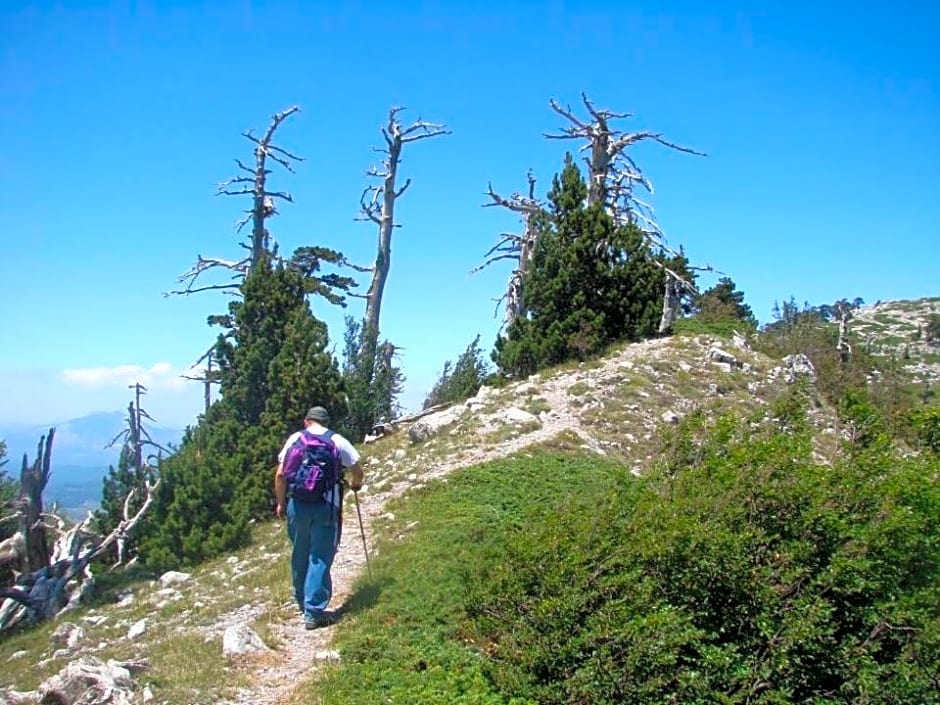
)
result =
(33, 481)
(42, 591)
(383, 257)
(671, 302)
(378, 205)
(516, 247)
(612, 172)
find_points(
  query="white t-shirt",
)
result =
(347, 452)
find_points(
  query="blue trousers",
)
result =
(314, 532)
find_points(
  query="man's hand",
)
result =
(279, 511)
(356, 477)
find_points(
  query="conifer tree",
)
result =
(591, 282)
(723, 302)
(462, 379)
(271, 370)
(369, 400)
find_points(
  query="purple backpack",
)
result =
(312, 467)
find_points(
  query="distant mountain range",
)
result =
(80, 456)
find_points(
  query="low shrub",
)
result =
(741, 571)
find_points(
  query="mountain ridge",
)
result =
(615, 406)
(80, 441)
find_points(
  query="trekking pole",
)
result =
(362, 531)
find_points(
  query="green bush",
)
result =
(405, 641)
(739, 571)
(723, 328)
(461, 380)
(925, 424)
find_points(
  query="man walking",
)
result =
(314, 522)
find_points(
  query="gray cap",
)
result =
(318, 413)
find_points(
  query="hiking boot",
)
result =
(317, 621)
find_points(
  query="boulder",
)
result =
(432, 424)
(716, 354)
(173, 577)
(670, 417)
(240, 639)
(137, 629)
(518, 416)
(67, 635)
(90, 681)
(796, 367)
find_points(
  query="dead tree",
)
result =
(136, 437)
(844, 311)
(29, 506)
(514, 246)
(377, 204)
(612, 173)
(614, 178)
(134, 440)
(44, 587)
(251, 181)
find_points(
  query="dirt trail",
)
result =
(274, 676)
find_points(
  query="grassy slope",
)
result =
(403, 641)
(187, 665)
(408, 646)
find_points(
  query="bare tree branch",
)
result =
(514, 246)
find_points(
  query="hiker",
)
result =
(312, 499)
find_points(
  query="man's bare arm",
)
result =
(280, 491)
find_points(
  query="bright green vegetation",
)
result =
(460, 380)
(739, 570)
(407, 641)
(581, 297)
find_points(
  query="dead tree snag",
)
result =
(612, 172)
(250, 181)
(377, 205)
(44, 587)
(514, 246)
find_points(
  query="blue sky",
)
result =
(820, 122)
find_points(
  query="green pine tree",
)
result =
(590, 283)
(273, 367)
(723, 302)
(460, 380)
(371, 398)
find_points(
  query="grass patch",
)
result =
(189, 669)
(404, 642)
(537, 405)
(578, 389)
